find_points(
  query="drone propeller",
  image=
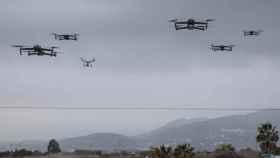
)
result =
(210, 20)
(54, 34)
(82, 59)
(17, 46)
(54, 47)
(213, 45)
(173, 20)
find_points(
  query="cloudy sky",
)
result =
(141, 61)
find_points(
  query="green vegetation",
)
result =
(184, 151)
(162, 151)
(53, 147)
(180, 151)
(267, 137)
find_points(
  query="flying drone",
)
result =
(252, 32)
(87, 63)
(37, 50)
(222, 47)
(73, 37)
(191, 24)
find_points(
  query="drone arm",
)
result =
(202, 28)
(181, 22)
(177, 27)
(48, 50)
(26, 49)
(201, 23)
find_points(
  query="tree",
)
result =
(161, 152)
(267, 137)
(184, 151)
(53, 147)
(225, 147)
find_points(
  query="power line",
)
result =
(179, 108)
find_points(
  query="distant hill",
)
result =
(239, 130)
(172, 125)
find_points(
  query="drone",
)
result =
(87, 63)
(73, 37)
(37, 50)
(222, 47)
(191, 24)
(252, 32)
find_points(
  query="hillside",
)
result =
(239, 130)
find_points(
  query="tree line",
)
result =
(267, 138)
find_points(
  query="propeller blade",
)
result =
(173, 20)
(17, 46)
(209, 20)
(82, 59)
(54, 34)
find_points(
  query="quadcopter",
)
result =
(191, 24)
(222, 47)
(73, 37)
(37, 50)
(87, 63)
(252, 32)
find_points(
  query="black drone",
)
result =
(191, 24)
(252, 32)
(87, 63)
(73, 37)
(222, 47)
(36, 50)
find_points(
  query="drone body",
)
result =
(87, 63)
(67, 37)
(252, 32)
(191, 24)
(36, 50)
(222, 47)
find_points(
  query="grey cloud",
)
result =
(141, 59)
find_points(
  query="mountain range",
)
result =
(202, 133)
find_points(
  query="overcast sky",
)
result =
(141, 61)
